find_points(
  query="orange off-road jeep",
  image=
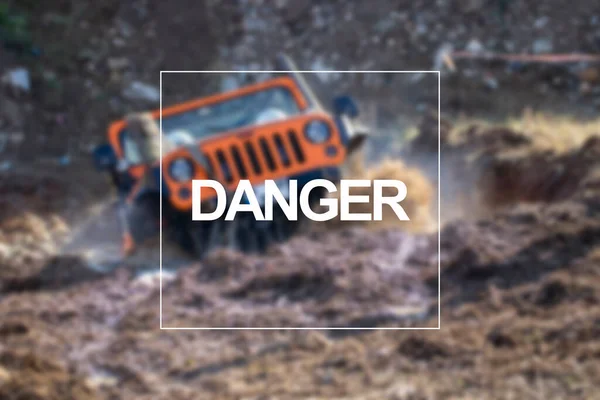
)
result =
(275, 129)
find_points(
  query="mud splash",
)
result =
(420, 203)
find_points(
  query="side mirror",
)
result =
(105, 158)
(345, 105)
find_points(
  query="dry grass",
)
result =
(559, 133)
(418, 203)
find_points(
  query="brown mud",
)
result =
(520, 300)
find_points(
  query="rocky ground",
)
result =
(73, 67)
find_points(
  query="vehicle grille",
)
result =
(253, 158)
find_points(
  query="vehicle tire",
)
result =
(143, 218)
(203, 237)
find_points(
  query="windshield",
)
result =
(252, 109)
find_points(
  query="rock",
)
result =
(152, 278)
(64, 160)
(421, 28)
(11, 114)
(125, 30)
(490, 82)
(17, 79)
(141, 91)
(541, 46)
(475, 46)
(87, 54)
(102, 379)
(119, 42)
(541, 22)
(470, 6)
(387, 24)
(117, 63)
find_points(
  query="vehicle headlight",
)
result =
(181, 170)
(317, 131)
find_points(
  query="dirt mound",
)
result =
(57, 272)
(489, 168)
(540, 176)
(327, 279)
(520, 246)
(37, 212)
(26, 242)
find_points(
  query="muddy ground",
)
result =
(520, 299)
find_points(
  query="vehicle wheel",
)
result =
(246, 235)
(204, 237)
(143, 218)
(251, 236)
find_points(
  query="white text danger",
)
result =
(260, 199)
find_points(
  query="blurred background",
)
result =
(520, 178)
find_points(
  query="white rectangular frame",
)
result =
(439, 326)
